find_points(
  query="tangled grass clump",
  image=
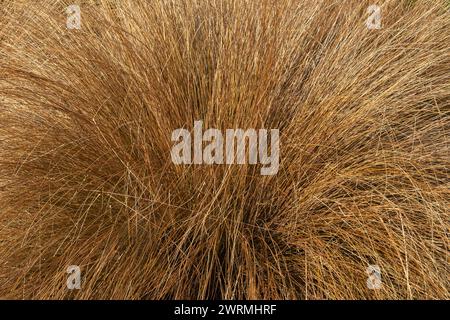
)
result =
(86, 176)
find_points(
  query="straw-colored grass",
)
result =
(86, 176)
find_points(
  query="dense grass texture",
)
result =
(86, 176)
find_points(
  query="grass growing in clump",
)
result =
(86, 177)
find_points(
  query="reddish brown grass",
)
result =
(86, 178)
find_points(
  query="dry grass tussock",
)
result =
(86, 176)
